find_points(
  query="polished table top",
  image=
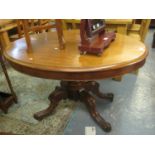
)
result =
(124, 55)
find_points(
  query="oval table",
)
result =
(76, 72)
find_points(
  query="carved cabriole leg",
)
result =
(78, 90)
(93, 87)
(91, 105)
(54, 98)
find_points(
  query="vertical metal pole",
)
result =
(6, 75)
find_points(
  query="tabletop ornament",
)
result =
(94, 38)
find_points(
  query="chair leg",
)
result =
(91, 105)
(153, 43)
(136, 72)
(7, 78)
(117, 78)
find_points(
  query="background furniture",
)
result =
(11, 29)
(153, 42)
(26, 26)
(152, 24)
(18, 32)
(5, 26)
(139, 31)
(135, 28)
(77, 72)
(34, 26)
(117, 25)
(6, 99)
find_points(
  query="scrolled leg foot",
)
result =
(109, 96)
(103, 124)
(93, 87)
(15, 99)
(54, 98)
(44, 113)
(91, 105)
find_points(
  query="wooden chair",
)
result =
(6, 99)
(139, 31)
(71, 23)
(29, 26)
(118, 25)
(6, 26)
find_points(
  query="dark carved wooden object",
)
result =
(153, 42)
(82, 91)
(94, 39)
(6, 99)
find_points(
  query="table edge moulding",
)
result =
(30, 66)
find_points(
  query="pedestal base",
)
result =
(82, 91)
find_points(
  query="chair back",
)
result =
(29, 26)
(71, 23)
(144, 28)
(140, 29)
(34, 25)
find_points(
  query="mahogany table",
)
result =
(76, 72)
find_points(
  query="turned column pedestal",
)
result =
(83, 91)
